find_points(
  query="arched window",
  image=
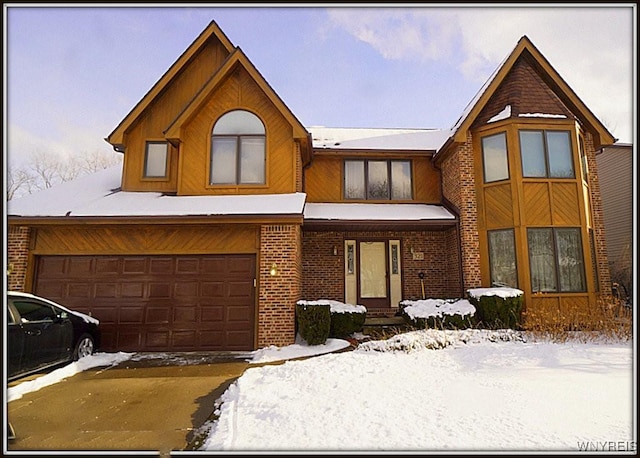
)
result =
(238, 149)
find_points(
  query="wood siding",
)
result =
(157, 117)
(145, 239)
(615, 172)
(324, 180)
(239, 91)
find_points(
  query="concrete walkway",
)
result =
(139, 405)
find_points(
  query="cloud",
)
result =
(590, 47)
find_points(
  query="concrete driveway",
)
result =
(143, 404)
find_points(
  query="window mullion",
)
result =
(389, 183)
(238, 158)
(366, 179)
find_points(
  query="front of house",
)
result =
(227, 210)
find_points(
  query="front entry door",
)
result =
(373, 279)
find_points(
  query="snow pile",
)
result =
(300, 349)
(336, 306)
(435, 339)
(427, 308)
(502, 291)
(504, 114)
(88, 362)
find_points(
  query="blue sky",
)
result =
(73, 73)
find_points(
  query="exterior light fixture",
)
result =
(274, 270)
(335, 250)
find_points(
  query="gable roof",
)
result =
(236, 58)
(116, 137)
(551, 77)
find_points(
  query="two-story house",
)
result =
(227, 210)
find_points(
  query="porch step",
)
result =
(384, 321)
(382, 312)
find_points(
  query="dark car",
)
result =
(42, 334)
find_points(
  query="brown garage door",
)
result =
(158, 303)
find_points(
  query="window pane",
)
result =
(532, 153)
(494, 150)
(542, 260)
(156, 160)
(400, 180)
(502, 258)
(378, 183)
(238, 122)
(570, 263)
(223, 160)
(354, 180)
(252, 162)
(560, 157)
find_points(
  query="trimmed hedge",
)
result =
(314, 322)
(345, 324)
(495, 312)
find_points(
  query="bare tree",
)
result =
(44, 170)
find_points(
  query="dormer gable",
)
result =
(525, 80)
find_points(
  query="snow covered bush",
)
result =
(439, 313)
(345, 318)
(314, 321)
(497, 308)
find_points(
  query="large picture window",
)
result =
(546, 154)
(377, 180)
(494, 158)
(502, 258)
(555, 259)
(238, 149)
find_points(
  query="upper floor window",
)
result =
(546, 154)
(377, 179)
(494, 158)
(583, 160)
(238, 149)
(155, 159)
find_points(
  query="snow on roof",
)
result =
(378, 138)
(373, 212)
(99, 195)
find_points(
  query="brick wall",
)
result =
(459, 187)
(279, 244)
(17, 256)
(323, 272)
(598, 219)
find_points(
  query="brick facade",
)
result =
(600, 245)
(17, 257)
(459, 188)
(280, 245)
(323, 272)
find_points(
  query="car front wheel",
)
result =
(84, 347)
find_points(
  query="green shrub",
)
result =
(496, 312)
(439, 314)
(314, 322)
(345, 324)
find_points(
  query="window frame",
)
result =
(545, 154)
(492, 256)
(145, 174)
(365, 171)
(239, 137)
(484, 157)
(556, 261)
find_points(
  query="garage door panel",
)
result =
(159, 290)
(107, 266)
(158, 303)
(131, 315)
(156, 315)
(185, 314)
(134, 266)
(212, 313)
(132, 290)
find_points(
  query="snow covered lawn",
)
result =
(481, 391)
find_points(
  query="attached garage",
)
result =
(161, 302)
